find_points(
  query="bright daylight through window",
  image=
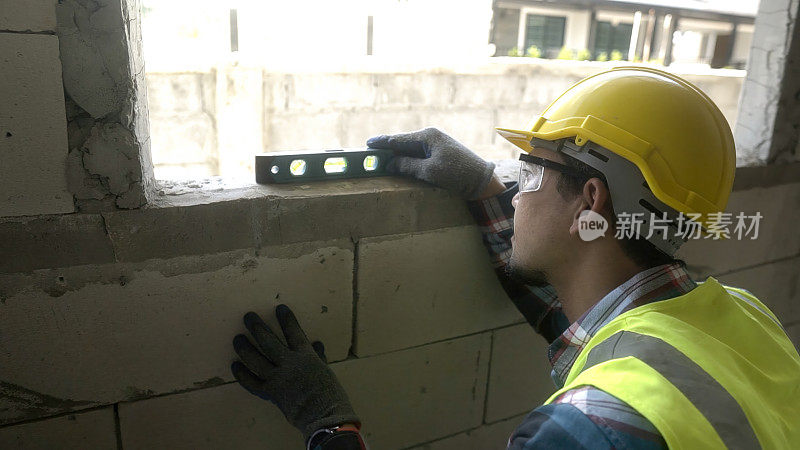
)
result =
(231, 79)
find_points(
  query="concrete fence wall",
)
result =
(213, 123)
(117, 326)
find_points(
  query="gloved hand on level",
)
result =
(432, 156)
(296, 378)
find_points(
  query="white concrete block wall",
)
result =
(442, 395)
(221, 417)
(87, 430)
(775, 241)
(92, 335)
(519, 376)
(416, 282)
(33, 126)
(777, 284)
(416, 395)
(493, 435)
(28, 15)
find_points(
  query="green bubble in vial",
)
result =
(335, 165)
(297, 167)
(370, 163)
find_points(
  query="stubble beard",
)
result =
(525, 275)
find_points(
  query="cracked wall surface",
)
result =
(768, 125)
(109, 164)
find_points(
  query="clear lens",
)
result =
(530, 176)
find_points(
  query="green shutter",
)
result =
(622, 38)
(545, 32)
(609, 38)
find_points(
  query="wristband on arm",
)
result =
(336, 438)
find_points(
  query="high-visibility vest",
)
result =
(710, 369)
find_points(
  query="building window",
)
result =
(546, 33)
(609, 38)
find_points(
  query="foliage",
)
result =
(566, 53)
(533, 52)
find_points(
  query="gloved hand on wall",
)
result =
(296, 378)
(432, 156)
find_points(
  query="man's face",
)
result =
(541, 228)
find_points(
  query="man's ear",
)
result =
(595, 197)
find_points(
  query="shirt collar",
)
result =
(648, 286)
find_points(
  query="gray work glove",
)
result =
(296, 379)
(435, 157)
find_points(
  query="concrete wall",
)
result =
(769, 126)
(214, 123)
(32, 122)
(117, 326)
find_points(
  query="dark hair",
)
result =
(640, 250)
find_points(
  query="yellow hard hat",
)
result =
(667, 127)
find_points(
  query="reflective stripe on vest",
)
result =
(738, 293)
(706, 394)
(712, 368)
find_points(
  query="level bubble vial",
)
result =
(370, 163)
(335, 165)
(297, 167)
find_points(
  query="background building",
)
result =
(717, 33)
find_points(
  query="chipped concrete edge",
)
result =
(109, 164)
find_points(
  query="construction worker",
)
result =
(643, 357)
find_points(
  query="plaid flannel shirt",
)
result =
(585, 417)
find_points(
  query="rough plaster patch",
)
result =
(111, 153)
(79, 181)
(151, 328)
(106, 101)
(57, 282)
(30, 403)
(766, 131)
(92, 429)
(93, 55)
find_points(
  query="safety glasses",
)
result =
(531, 172)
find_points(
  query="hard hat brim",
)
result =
(520, 138)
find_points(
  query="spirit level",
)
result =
(289, 167)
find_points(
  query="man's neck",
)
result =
(585, 282)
